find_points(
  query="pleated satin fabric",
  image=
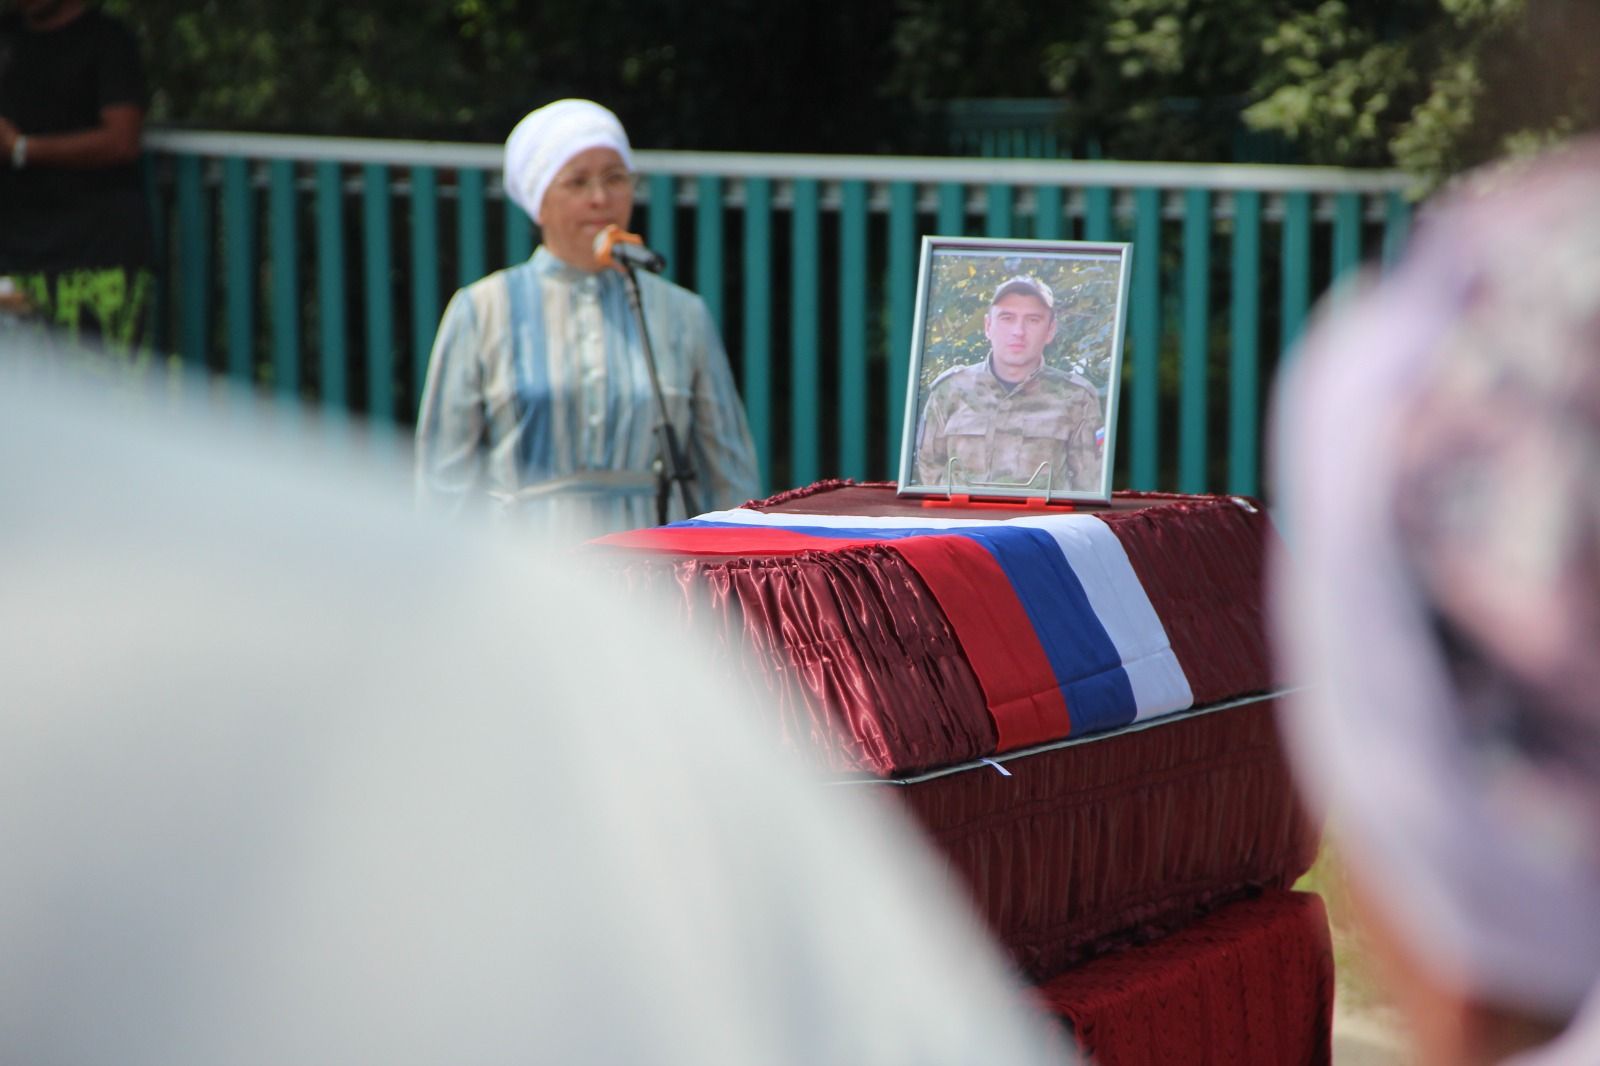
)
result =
(852, 662)
(874, 670)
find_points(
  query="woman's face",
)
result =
(594, 190)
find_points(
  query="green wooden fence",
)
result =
(318, 268)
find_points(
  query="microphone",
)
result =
(616, 247)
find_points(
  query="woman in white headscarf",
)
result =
(538, 395)
(1440, 468)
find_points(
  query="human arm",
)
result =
(1082, 444)
(933, 449)
(720, 446)
(451, 423)
(113, 142)
(118, 94)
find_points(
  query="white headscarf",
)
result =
(544, 141)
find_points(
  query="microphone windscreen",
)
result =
(607, 240)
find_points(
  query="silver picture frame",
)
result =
(1015, 369)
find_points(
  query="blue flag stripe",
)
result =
(1082, 655)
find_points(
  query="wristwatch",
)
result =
(19, 152)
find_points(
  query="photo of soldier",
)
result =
(1010, 419)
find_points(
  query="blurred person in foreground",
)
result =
(1439, 460)
(74, 230)
(289, 775)
(538, 395)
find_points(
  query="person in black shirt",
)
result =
(74, 228)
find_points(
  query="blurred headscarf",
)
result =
(1439, 469)
(547, 139)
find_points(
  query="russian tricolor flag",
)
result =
(1053, 618)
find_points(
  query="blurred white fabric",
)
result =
(289, 775)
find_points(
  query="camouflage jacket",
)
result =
(1001, 434)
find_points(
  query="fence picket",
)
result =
(1244, 368)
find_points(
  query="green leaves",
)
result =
(1430, 85)
(736, 75)
(1433, 87)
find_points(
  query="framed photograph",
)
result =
(1016, 367)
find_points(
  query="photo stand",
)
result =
(1030, 498)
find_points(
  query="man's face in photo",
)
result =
(1018, 326)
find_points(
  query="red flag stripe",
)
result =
(977, 598)
(997, 635)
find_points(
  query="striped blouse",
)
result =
(538, 402)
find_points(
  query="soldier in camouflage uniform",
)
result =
(1003, 419)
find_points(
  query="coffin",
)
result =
(1076, 706)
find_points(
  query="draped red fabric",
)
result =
(1202, 561)
(962, 575)
(779, 500)
(1251, 985)
(862, 665)
(1085, 851)
(1131, 835)
(846, 655)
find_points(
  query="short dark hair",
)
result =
(1028, 285)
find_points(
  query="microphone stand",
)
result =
(674, 463)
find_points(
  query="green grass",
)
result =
(1357, 986)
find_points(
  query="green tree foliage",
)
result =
(950, 49)
(310, 65)
(1139, 79)
(1339, 85)
(1162, 79)
(961, 284)
(729, 75)
(1437, 87)
(1529, 79)
(1431, 85)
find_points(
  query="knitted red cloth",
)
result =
(1252, 983)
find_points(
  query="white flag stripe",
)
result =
(1098, 559)
(1118, 599)
(1159, 685)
